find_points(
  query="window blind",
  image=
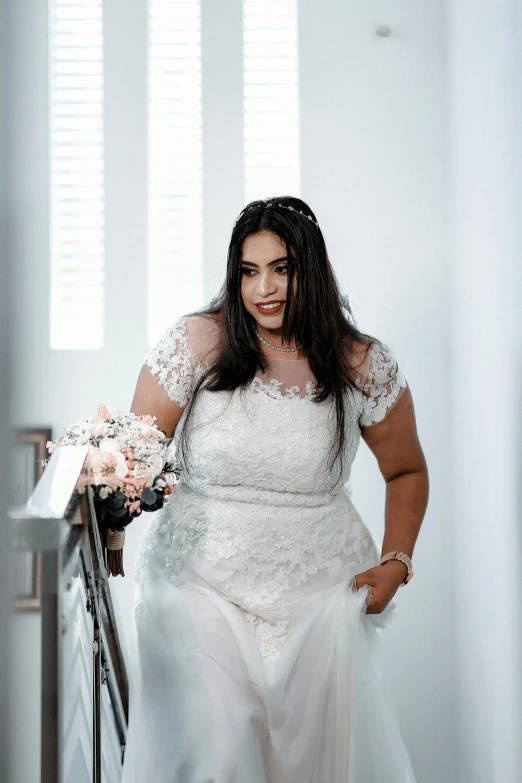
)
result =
(76, 172)
(271, 98)
(175, 162)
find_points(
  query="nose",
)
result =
(266, 285)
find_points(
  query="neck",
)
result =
(273, 336)
(274, 347)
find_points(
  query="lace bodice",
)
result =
(256, 504)
(185, 347)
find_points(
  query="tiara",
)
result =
(272, 204)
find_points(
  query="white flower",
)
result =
(155, 464)
(110, 444)
(121, 467)
(105, 492)
(144, 429)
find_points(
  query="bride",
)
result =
(259, 589)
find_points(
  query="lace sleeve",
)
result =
(171, 362)
(381, 386)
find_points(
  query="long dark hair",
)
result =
(326, 338)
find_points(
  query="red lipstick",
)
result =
(270, 310)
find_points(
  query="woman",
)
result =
(259, 586)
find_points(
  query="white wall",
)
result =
(5, 670)
(24, 691)
(29, 261)
(486, 156)
(375, 168)
(376, 151)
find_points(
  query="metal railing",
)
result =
(84, 689)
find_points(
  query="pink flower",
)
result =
(132, 485)
(103, 413)
(110, 460)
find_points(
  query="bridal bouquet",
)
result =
(128, 468)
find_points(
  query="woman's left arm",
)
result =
(395, 443)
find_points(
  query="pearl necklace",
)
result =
(275, 347)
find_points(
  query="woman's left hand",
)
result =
(384, 581)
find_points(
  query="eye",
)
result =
(282, 269)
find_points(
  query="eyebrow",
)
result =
(270, 263)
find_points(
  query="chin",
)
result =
(268, 321)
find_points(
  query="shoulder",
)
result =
(372, 362)
(361, 358)
(182, 350)
(203, 332)
(195, 326)
(201, 323)
(188, 339)
(378, 378)
(358, 356)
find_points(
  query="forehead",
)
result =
(263, 247)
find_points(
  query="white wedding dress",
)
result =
(255, 661)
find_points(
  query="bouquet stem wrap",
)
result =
(114, 543)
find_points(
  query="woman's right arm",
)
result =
(152, 398)
(166, 380)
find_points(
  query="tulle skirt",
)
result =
(207, 707)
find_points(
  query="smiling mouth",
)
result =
(270, 307)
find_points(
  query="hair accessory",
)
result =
(275, 347)
(297, 212)
(404, 559)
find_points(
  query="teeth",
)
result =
(270, 306)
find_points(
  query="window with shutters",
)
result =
(174, 154)
(76, 171)
(175, 162)
(271, 98)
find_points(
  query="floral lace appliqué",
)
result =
(382, 385)
(273, 389)
(258, 553)
(170, 362)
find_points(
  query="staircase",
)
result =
(84, 689)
